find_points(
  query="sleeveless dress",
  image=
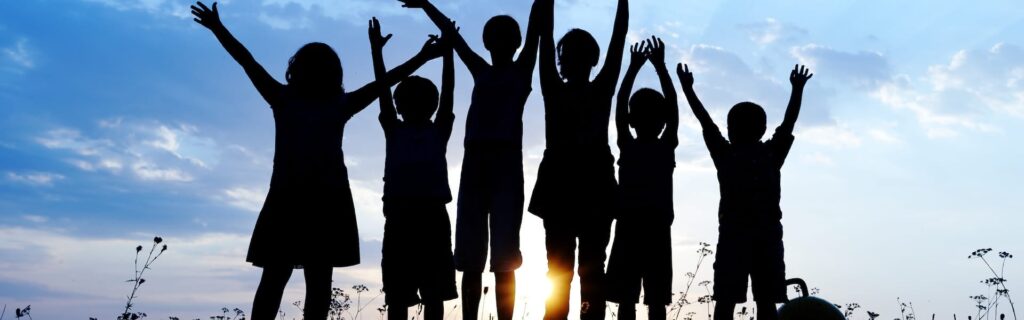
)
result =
(308, 218)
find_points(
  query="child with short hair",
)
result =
(642, 251)
(749, 216)
(490, 204)
(417, 250)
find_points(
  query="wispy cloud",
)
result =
(34, 178)
(771, 30)
(249, 199)
(19, 54)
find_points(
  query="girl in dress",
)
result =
(308, 220)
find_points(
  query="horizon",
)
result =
(124, 120)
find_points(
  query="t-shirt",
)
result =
(415, 167)
(645, 179)
(749, 176)
(577, 116)
(307, 140)
(495, 115)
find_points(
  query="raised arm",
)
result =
(359, 99)
(264, 83)
(445, 118)
(609, 74)
(528, 55)
(550, 80)
(798, 77)
(638, 55)
(686, 78)
(388, 116)
(671, 134)
(471, 59)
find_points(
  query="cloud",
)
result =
(35, 218)
(770, 31)
(150, 150)
(993, 79)
(249, 199)
(927, 107)
(19, 54)
(864, 69)
(354, 11)
(34, 178)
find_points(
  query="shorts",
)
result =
(417, 254)
(641, 256)
(753, 250)
(490, 207)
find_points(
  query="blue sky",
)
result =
(123, 119)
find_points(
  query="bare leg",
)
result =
(627, 311)
(471, 290)
(656, 312)
(505, 294)
(433, 310)
(766, 311)
(398, 313)
(318, 292)
(724, 310)
(268, 295)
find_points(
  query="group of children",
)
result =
(308, 219)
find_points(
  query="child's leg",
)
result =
(433, 310)
(318, 292)
(560, 241)
(269, 292)
(505, 294)
(724, 310)
(766, 311)
(656, 312)
(471, 287)
(398, 313)
(627, 311)
(593, 252)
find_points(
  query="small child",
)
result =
(642, 251)
(490, 204)
(749, 216)
(417, 252)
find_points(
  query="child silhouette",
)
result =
(308, 220)
(576, 180)
(642, 252)
(749, 216)
(417, 252)
(491, 188)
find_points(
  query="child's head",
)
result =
(502, 36)
(577, 55)
(416, 99)
(315, 68)
(746, 123)
(647, 113)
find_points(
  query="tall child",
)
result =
(642, 252)
(749, 216)
(417, 254)
(308, 220)
(576, 180)
(491, 188)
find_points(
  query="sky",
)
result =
(122, 120)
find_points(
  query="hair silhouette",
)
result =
(648, 112)
(746, 122)
(578, 53)
(416, 98)
(502, 35)
(315, 68)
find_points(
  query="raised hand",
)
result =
(450, 30)
(434, 48)
(656, 47)
(205, 16)
(377, 42)
(413, 3)
(685, 76)
(638, 53)
(799, 76)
